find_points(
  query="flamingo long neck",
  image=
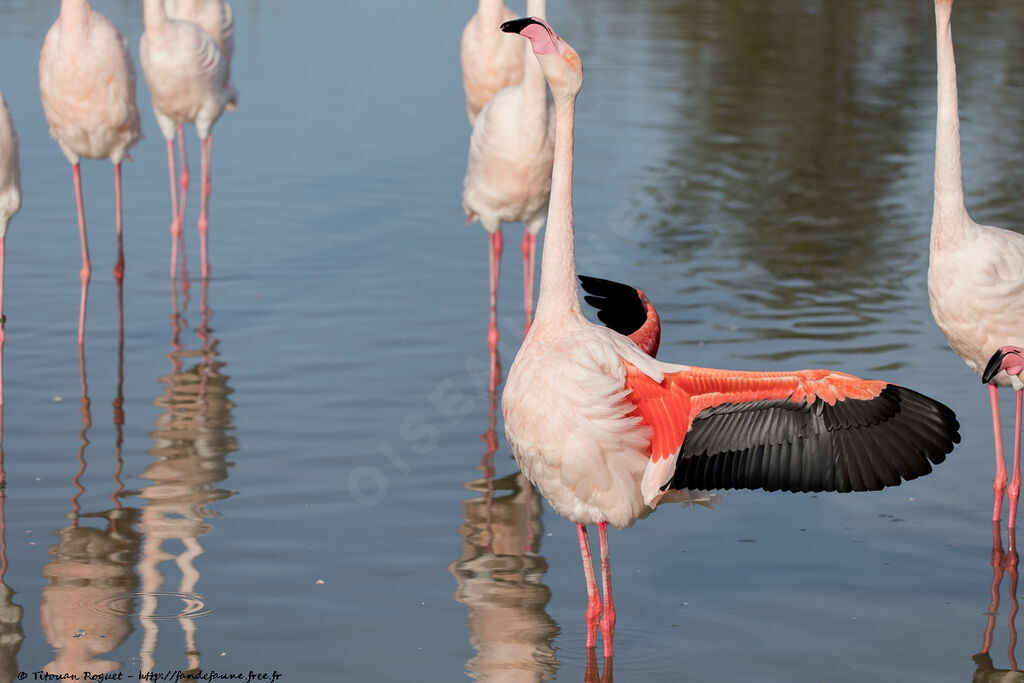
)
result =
(74, 12)
(491, 12)
(949, 216)
(558, 297)
(154, 15)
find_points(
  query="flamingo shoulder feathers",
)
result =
(982, 280)
(216, 18)
(511, 150)
(186, 72)
(10, 169)
(87, 85)
(213, 16)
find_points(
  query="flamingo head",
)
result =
(561, 64)
(1007, 358)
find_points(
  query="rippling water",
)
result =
(284, 470)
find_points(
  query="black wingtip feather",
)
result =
(852, 445)
(618, 306)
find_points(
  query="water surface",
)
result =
(284, 470)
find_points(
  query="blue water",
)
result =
(295, 483)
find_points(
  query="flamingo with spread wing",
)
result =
(607, 433)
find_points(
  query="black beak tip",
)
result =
(516, 25)
(993, 366)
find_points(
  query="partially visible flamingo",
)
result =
(508, 175)
(975, 272)
(187, 76)
(214, 17)
(490, 59)
(10, 202)
(608, 433)
(87, 86)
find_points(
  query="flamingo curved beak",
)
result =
(995, 363)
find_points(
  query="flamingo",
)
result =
(10, 202)
(87, 86)
(975, 272)
(490, 59)
(508, 175)
(187, 76)
(607, 433)
(214, 17)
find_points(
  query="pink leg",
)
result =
(184, 171)
(608, 618)
(1014, 490)
(529, 250)
(175, 224)
(86, 271)
(494, 267)
(119, 266)
(204, 208)
(999, 485)
(183, 200)
(593, 599)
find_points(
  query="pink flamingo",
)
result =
(975, 272)
(508, 175)
(87, 85)
(607, 433)
(214, 17)
(490, 60)
(10, 202)
(188, 81)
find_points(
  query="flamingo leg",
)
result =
(86, 271)
(184, 170)
(1014, 490)
(204, 222)
(593, 599)
(494, 267)
(999, 485)
(119, 266)
(175, 223)
(608, 617)
(529, 251)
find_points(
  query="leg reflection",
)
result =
(500, 576)
(1003, 562)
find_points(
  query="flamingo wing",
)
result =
(626, 310)
(806, 431)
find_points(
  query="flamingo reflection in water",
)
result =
(1003, 562)
(191, 441)
(86, 607)
(500, 575)
(11, 633)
